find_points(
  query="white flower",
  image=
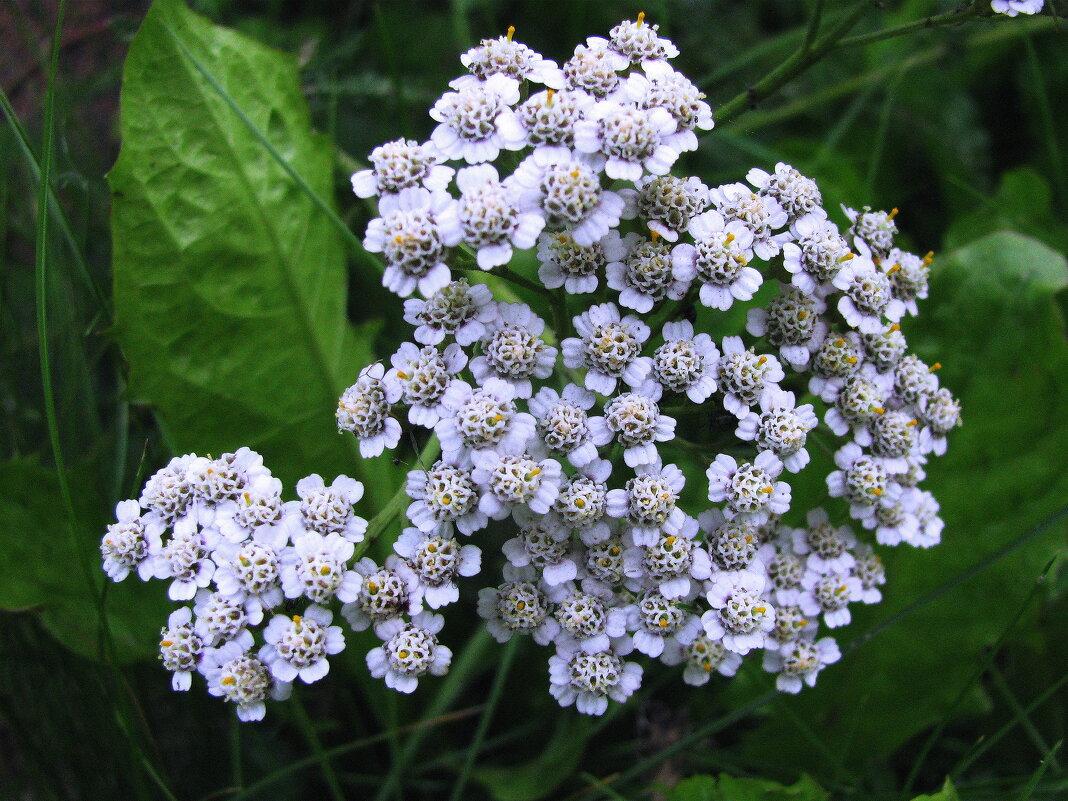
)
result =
(791, 622)
(742, 376)
(1013, 7)
(867, 296)
(259, 505)
(831, 594)
(214, 482)
(816, 253)
(364, 408)
(644, 275)
(583, 502)
(514, 482)
(686, 363)
(443, 494)
(589, 680)
(796, 194)
(718, 260)
(662, 87)
(930, 525)
(588, 623)
(656, 621)
(874, 230)
(398, 165)
(635, 421)
(835, 360)
(131, 542)
(827, 548)
(437, 560)
(410, 650)
(940, 413)
(885, 348)
(670, 564)
(909, 275)
(648, 503)
(316, 567)
(220, 618)
(638, 41)
(487, 217)
(504, 56)
(594, 69)
(248, 572)
(750, 489)
(413, 240)
(629, 141)
(780, 427)
(791, 322)
(513, 350)
(871, 572)
(761, 214)
(385, 593)
(470, 120)
(241, 679)
(546, 120)
(667, 203)
(167, 494)
(567, 192)
(605, 561)
(424, 374)
(298, 645)
(732, 543)
(860, 479)
(741, 617)
(893, 439)
(857, 401)
(563, 425)
(180, 648)
(576, 267)
(186, 558)
(518, 606)
(608, 347)
(458, 309)
(544, 549)
(800, 661)
(913, 380)
(484, 420)
(895, 518)
(702, 656)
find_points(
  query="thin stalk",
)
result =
(397, 503)
(955, 17)
(1020, 715)
(813, 26)
(503, 668)
(311, 737)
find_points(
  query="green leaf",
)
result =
(230, 286)
(540, 776)
(729, 788)
(38, 567)
(993, 321)
(947, 793)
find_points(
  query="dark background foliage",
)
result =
(192, 320)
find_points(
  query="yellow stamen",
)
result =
(432, 548)
(768, 490)
(762, 359)
(580, 503)
(497, 418)
(403, 653)
(935, 366)
(296, 619)
(893, 269)
(575, 173)
(802, 315)
(549, 101)
(912, 423)
(851, 359)
(760, 609)
(324, 570)
(729, 239)
(247, 497)
(511, 32)
(663, 623)
(372, 586)
(402, 374)
(929, 257)
(229, 681)
(892, 214)
(877, 492)
(521, 605)
(165, 643)
(641, 18)
(669, 541)
(878, 409)
(535, 472)
(846, 257)
(654, 235)
(895, 327)
(839, 342)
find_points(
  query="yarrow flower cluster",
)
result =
(569, 450)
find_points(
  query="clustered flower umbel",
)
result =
(565, 448)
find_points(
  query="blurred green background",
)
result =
(232, 311)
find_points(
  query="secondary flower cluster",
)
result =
(569, 448)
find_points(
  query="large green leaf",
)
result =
(230, 287)
(993, 322)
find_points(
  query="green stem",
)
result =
(397, 503)
(955, 17)
(312, 738)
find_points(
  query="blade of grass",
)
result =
(59, 214)
(973, 680)
(350, 238)
(311, 737)
(462, 671)
(298, 765)
(503, 667)
(985, 744)
(1020, 715)
(1029, 790)
(1045, 116)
